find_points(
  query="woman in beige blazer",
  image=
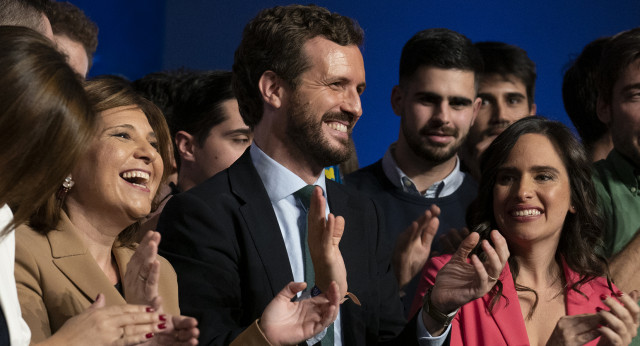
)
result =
(80, 243)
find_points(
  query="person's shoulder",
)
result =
(366, 178)
(26, 234)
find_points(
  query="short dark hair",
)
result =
(161, 88)
(506, 60)
(273, 40)
(441, 48)
(580, 93)
(581, 243)
(46, 120)
(27, 13)
(622, 50)
(199, 108)
(68, 20)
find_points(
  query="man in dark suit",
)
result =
(239, 237)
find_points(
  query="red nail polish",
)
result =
(149, 335)
(619, 294)
(162, 326)
(603, 296)
(163, 317)
(598, 309)
(600, 326)
(149, 309)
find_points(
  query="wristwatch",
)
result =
(438, 316)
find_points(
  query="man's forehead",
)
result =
(495, 80)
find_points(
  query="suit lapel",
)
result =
(261, 222)
(575, 302)
(508, 316)
(73, 259)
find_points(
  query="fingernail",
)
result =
(598, 309)
(149, 335)
(149, 309)
(619, 294)
(163, 317)
(97, 297)
(600, 326)
(162, 326)
(603, 296)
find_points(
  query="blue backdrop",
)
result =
(138, 37)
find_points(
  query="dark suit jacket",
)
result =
(223, 239)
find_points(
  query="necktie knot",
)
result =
(304, 195)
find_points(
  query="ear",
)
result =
(271, 88)
(397, 98)
(603, 110)
(534, 109)
(185, 143)
(476, 109)
(572, 209)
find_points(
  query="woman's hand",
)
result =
(143, 272)
(620, 324)
(114, 325)
(284, 322)
(178, 331)
(615, 327)
(459, 282)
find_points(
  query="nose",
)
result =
(352, 104)
(146, 152)
(441, 113)
(525, 189)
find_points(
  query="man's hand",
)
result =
(284, 322)
(414, 245)
(324, 238)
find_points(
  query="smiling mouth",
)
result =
(526, 212)
(136, 178)
(337, 126)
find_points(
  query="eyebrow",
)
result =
(533, 169)
(631, 87)
(515, 94)
(128, 127)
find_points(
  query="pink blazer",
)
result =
(474, 325)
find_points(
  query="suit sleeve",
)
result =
(200, 244)
(28, 284)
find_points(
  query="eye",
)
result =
(485, 103)
(545, 177)
(122, 135)
(514, 100)
(241, 141)
(505, 179)
(155, 145)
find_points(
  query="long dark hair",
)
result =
(581, 244)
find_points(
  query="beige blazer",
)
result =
(57, 278)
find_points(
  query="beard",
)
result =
(429, 151)
(305, 132)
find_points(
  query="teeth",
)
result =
(338, 127)
(527, 212)
(136, 174)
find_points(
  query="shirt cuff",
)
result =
(424, 338)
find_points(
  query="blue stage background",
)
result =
(138, 37)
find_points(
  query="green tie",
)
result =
(304, 195)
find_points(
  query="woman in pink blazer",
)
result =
(539, 277)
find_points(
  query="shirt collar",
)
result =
(277, 179)
(627, 172)
(399, 179)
